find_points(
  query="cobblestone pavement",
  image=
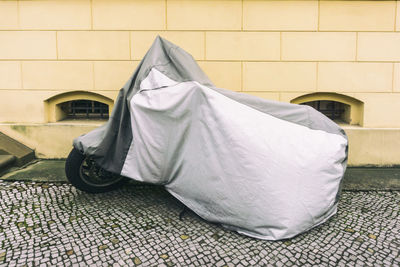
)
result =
(54, 224)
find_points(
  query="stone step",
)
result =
(22, 153)
(6, 161)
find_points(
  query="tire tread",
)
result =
(72, 168)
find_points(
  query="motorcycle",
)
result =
(263, 168)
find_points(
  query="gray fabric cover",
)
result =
(263, 168)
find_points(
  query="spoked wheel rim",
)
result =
(95, 176)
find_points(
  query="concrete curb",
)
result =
(356, 178)
(371, 178)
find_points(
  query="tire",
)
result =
(85, 175)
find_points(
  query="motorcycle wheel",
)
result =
(83, 173)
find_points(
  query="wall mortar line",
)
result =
(280, 46)
(347, 93)
(205, 45)
(192, 30)
(21, 75)
(241, 76)
(319, 12)
(316, 76)
(166, 15)
(93, 79)
(18, 16)
(91, 14)
(57, 45)
(356, 54)
(393, 74)
(130, 45)
(208, 60)
(395, 16)
(242, 16)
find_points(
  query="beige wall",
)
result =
(278, 50)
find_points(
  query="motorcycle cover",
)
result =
(263, 168)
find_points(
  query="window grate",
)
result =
(332, 109)
(85, 109)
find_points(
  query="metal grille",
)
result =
(332, 109)
(89, 109)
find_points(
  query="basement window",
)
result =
(342, 109)
(336, 111)
(84, 109)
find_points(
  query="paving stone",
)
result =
(55, 224)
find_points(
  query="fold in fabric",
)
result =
(263, 168)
